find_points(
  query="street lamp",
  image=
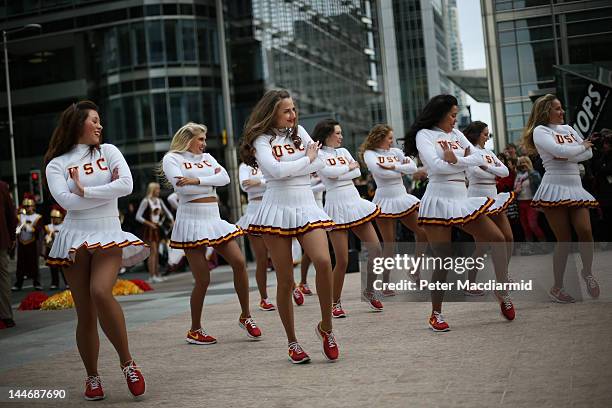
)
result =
(8, 97)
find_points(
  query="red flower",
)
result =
(141, 284)
(33, 301)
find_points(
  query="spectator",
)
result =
(8, 225)
(510, 151)
(525, 185)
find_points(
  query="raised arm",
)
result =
(545, 140)
(58, 186)
(475, 157)
(120, 187)
(172, 170)
(406, 164)
(244, 173)
(497, 168)
(277, 169)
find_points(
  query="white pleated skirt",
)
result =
(199, 224)
(94, 234)
(289, 211)
(447, 203)
(247, 219)
(562, 190)
(502, 200)
(394, 201)
(347, 209)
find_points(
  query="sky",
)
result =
(470, 32)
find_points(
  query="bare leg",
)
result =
(283, 265)
(87, 339)
(153, 260)
(261, 260)
(581, 221)
(439, 237)
(315, 245)
(559, 221)
(201, 273)
(366, 233)
(230, 251)
(339, 240)
(105, 266)
(386, 226)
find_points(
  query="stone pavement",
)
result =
(551, 356)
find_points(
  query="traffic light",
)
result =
(224, 137)
(36, 185)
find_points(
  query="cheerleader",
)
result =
(482, 183)
(29, 234)
(560, 195)
(387, 165)
(287, 155)
(150, 215)
(51, 231)
(253, 183)
(194, 176)
(347, 209)
(86, 178)
(445, 153)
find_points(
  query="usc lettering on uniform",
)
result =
(561, 139)
(452, 144)
(197, 165)
(88, 168)
(388, 159)
(334, 160)
(489, 159)
(279, 150)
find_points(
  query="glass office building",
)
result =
(545, 46)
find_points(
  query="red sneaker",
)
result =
(591, 285)
(298, 297)
(248, 324)
(437, 323)
(330, 347)
(297, 355)
(560, 296)
(93, 388)
(507, 308)
(303, 287)
(200, 337)
(337, 310)
(373, 299)
(134, 378)
(266, 305)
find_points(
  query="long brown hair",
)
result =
(473, 131)
(540, 115)
(261, 121)
(376, 135)
(69, 129)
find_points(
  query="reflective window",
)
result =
(160, 111)
(171, 48)
(189, 42)
(509, 62)
(139, 41)
(156, 41)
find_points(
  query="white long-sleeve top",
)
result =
(95, 173)
(173, 200)
(282, 164)
(394, 156)
(336, 172)
(560, 142)
(246, 172)
(156, 206)
(201, 166)
(494, 168)
(429, 144)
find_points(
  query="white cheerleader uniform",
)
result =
(318, 189)
(198, 224)
(342, 201)
(561, 185)
(254, 193)
(445, 201)
(288, 206)
(391, 195)
(482, 182)
(92, 221)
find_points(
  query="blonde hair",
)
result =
(180, 143)
(526, 160)
(152, 187)
(261, 121)
(376, 135)
(540, 115)
(182, 137)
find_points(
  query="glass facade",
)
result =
(533, 37)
